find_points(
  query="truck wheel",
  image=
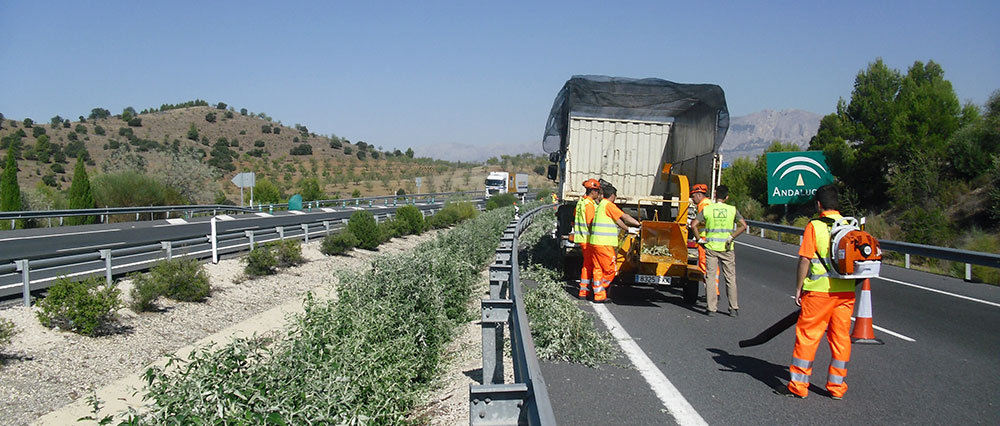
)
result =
(690, 291)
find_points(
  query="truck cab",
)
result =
(497, 183)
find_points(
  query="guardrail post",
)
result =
(305, 231)
(60, 221)
(906, 260)
(394, 202)
(343, 204)
(270, 208)
(762, 232)
(281, 232)
(22, 265)
(968, 272)
(499, 281)
(249, 235)
(106, 255)
(357, 202)
(168, 247)
(326, 224)
(370, 203)
(215, 242)
(496, 312)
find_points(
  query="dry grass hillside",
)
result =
(256, 143)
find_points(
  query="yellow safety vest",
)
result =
(605, 232)
(818, 278)
(581, 230)
(719, 221)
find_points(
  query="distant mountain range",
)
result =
(748, 136)
(751, 134)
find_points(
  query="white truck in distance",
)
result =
(504, 182)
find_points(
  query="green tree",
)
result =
(28, 123)
(311, 190)
(128, 113)
(210, 117)
(99, 113)
(80, 195)
(409, 152)
(265, 191)
(192, 132)
(10, 192)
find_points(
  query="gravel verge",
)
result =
(45, 369)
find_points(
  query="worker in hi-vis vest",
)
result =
(584, 218)
(827, 304)
(604, 240)
(720, 219)
(699, 194)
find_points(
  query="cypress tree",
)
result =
(80, 196)
(10, 192)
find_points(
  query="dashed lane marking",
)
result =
(29, 237)
(225, 217)
(672, 399)
(262, 214)
(177, 221)
(328, 210)
(296, 212)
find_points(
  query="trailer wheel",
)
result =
(690, 291)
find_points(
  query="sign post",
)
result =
(244, 180)
(794, 177)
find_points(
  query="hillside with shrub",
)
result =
(189, 152)
(922, 167)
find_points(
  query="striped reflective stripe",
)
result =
(835, 379)
(813, 275)
(718, 230)
(604, 225)
(801, 363)
(816, 277)
(584, 281)
(606, 234)
(718, 240)
(836, 363)
(799, 377)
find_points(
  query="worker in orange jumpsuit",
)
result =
(827, 304)
(604, 240)
(699, 193)
(582, 224)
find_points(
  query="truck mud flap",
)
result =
(689, 290)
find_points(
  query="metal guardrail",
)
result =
(190, 210)
(142, 256)
(967, 257)
(526, 401)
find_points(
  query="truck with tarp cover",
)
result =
(652, 139)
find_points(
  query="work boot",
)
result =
(734, 312)
(709, 313)
(783, 391)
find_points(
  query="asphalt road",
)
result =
(942, 366)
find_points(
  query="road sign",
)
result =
(417, 180)
(794, 177)
(245, 180)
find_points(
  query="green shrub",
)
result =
(545, 195)
(362, 224)
(145, 290)
(925, 226)
(389, 229)
(451, 214)
(85, 307)
(338, 243)
(261, 261)
(500, 200)
(410, 220)
(7, 331)
(184, 280)
(288, 253)
(981, 241)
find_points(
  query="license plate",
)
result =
(652, 279)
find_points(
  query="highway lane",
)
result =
(947, 374)
(46, 242)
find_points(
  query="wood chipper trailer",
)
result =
(651, 139)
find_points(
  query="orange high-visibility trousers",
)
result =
(828, 313)
(587, 272)
(604, 270)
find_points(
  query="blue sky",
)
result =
(416, 74)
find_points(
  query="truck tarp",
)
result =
(698, 105)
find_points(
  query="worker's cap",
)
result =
(702, 188)
(591, 184)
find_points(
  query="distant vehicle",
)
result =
(504, 183)
(648, 138)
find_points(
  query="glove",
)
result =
(729, 243)
(633, 231)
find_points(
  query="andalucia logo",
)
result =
(794, 177)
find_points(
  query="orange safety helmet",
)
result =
(700, 187)
(591, 184)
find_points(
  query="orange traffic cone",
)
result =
(863, 332)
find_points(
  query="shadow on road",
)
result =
(773, 375)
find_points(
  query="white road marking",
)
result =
(328, 210)
(57, 235)
(678, 407)
(176, 221)
(887, 331)
(225, 217)
(985, 302)
(87, 247)
(296, 212)
(262, 214)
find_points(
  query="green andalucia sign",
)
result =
(794, 177)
